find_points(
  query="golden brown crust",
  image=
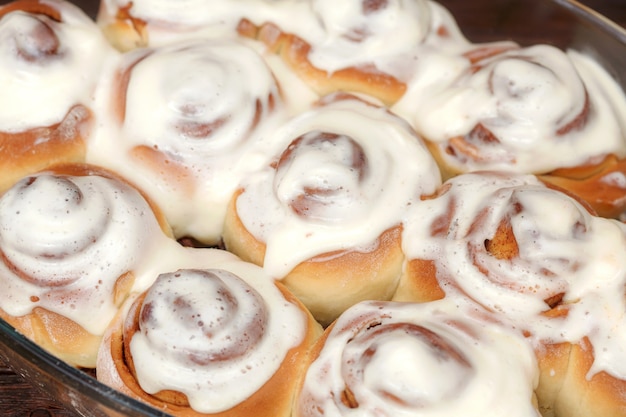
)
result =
(123, 31)
(419, 282)
(596, 183)
(33, 150)
(31, 6)
(329, 286)
(237, 239)
(592, 183)
(314, 353)
(63, 337)
(159, 162)
(294, 52)
(57, 335)
(275, 398)
(328, 283)
(552, 360)
(567, 389)
(27, 151)
(436, 151)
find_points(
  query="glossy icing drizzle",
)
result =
(340, 166)
(432, 359)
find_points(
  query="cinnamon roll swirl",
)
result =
(325, 216)
(360, 46)
(407, 359)
(535, 256)
(221, 340)
(518, 109)
(50, 59)
(71, 243)
(188, 121)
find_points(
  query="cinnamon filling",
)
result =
(470, 146)
(313, 197)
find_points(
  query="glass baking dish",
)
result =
(563, 23)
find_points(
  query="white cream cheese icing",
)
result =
(205, 106)
(392, 35)
(389, 35)
(516, 110)
(164, 22)
(66, 240)
(217, 334)
(344, 172)
(48, 66)
(431, 359)
(563, 251)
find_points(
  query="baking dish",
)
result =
(561, 22)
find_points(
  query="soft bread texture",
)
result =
(364, 47)
(57, 335)
(329, 283)
(25, 153)
(418, 282)
(567, 388)
(598, 184)
(123, 31)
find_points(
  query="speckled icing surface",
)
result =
(563, 251)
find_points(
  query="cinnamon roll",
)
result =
(408, 359)
(367, 47)
(518, 109)
(188, 121)
(536, 256)
(50, 59)
(72, 241)
(325, 216)
(141, 23)
(220, 340)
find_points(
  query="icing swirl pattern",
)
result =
(214, 106)
(386, 35)
(512, 110)
(52, 51)
(527, 252)
(372, 47)
(395, 359)
(337, 167)
(359, 30)
(211, 335)
(192, 118)
(60, 245)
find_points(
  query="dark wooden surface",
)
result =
(18, 398)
